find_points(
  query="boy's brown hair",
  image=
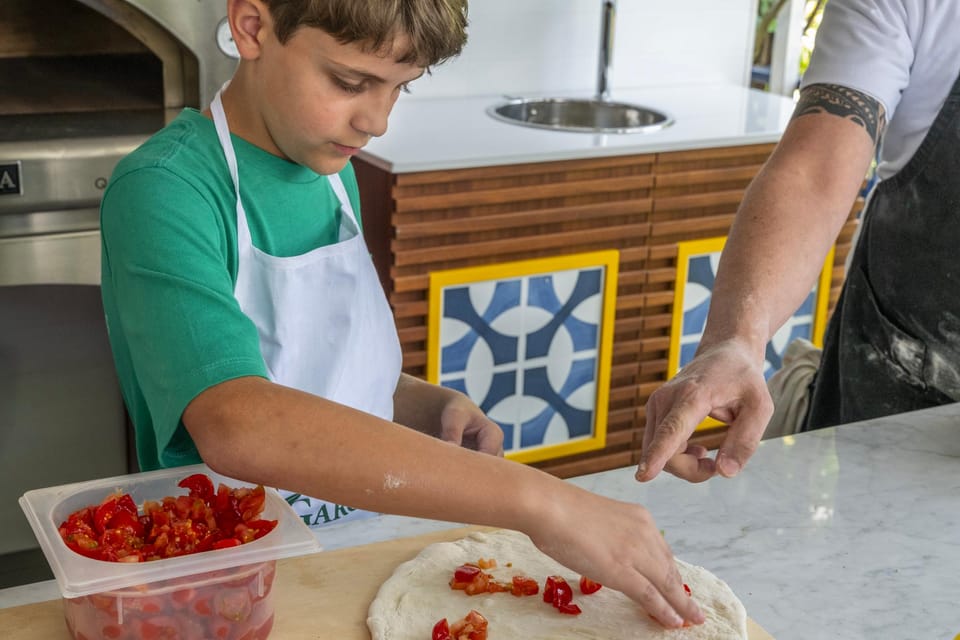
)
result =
(435, 29)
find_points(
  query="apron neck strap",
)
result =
(348, 219)
(223, 134)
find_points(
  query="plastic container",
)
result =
(223, 594)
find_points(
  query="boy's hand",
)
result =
(617, 544)
(463, 423)
(446, 414)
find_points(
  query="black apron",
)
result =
(893, 343)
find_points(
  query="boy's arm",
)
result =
(446, 414)
(255, 430)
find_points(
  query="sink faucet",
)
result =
(606, 48)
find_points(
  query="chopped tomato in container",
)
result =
(230, 603)
(178, 553)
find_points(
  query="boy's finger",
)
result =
(667, 603)
(489, 439)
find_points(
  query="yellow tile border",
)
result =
(609, 261)
(693, 248)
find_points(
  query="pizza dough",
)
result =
(418, 594)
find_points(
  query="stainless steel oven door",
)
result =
(62, 418)
(89, 81)
(64, 258)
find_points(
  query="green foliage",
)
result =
(767, 11)
(764, 8)
(814, 13)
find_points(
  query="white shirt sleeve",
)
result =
(866, 45)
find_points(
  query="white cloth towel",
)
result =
(790, 388)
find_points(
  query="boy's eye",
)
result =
(349, 87)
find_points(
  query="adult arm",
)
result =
(789, 218)
(258, 431)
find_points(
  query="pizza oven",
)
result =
(84, 83)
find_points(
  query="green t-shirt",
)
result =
(169, 227)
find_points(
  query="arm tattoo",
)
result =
(844, 102)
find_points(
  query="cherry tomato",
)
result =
(466, 576)
(558, 592)
(117, 511)
(466, 573)
(226, 543)
(470, 579)
(174, 526)
(588, 586)
(220, 628)
(182, 598)
(472, 627)
(563, 593)
(143, 604)
(261, 527)
(251, 502)
(569, 608)
(441, 630)
(160, 628)
(202, 606)
(480, 584)
(524, 586)
(192, 629)
(104, 603)
(199, 486)
(553, 590)
(232, 604)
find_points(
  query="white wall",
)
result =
(549, 46)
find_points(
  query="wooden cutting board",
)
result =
(320, 596)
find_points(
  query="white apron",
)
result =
(324, 323)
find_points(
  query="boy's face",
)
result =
(316, 101)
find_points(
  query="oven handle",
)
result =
(55, 258)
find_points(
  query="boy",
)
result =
(250, 330)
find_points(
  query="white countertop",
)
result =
(456, 133)
(851, 532)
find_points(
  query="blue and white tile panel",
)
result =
(525, 349)
(697, 291)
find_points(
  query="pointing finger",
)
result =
(665, 439)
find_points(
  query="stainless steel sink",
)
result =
(585, 115)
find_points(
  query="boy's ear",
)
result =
(248, 21)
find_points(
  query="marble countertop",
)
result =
(851, 532)
(456, 133)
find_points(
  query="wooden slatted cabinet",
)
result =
(642, 205)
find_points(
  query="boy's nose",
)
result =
(371, 119)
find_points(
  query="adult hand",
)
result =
(618, 545)
(724, 381)
(462, 422)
